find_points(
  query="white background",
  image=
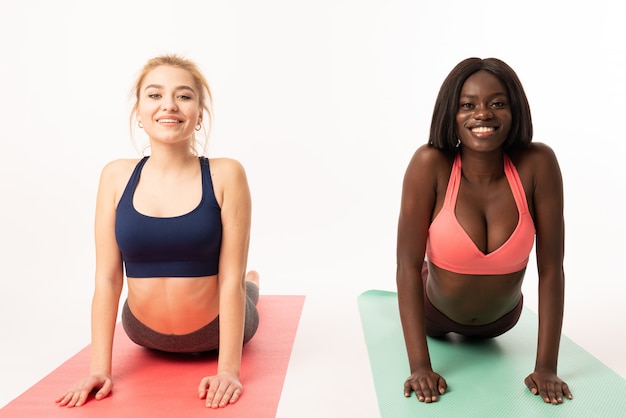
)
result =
(323, 102)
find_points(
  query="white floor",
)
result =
(323, 102)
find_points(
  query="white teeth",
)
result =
(482, 129)
(167, 121)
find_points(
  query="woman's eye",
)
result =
(183, 97)
(154, 96)
(498, 104)
(465, 105)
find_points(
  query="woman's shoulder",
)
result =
(226, 167)
(118, 170)
(227, 174)
(537, 150)
(428, 160)
(537, 164)
(536, 156)
(120, 165)
(429, 154)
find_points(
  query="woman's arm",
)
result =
(109, 281)
(225, 387)
(549, 223)
(418, 201)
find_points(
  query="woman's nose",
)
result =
(168, 104)
(483, 113)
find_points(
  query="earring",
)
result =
(198, 127)
(140, 124)
(458, 144)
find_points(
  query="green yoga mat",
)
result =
(485, 379)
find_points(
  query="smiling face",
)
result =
(169, 107)
(483, 118)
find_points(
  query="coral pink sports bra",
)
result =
(450, 248)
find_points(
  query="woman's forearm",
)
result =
(232, 322)
(551, 301)
(103, 319)
(411, 303)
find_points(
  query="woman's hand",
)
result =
(427, 386)
(549, 386)
(78, 395)
(220, 390)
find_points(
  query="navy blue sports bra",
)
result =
(179, 246)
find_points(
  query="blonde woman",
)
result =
(179, 224)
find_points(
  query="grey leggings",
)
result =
(205, 339)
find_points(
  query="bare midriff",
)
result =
(174, 305)
(473, 299)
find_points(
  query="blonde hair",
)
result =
(202, 86)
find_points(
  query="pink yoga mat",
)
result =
(151, 384)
